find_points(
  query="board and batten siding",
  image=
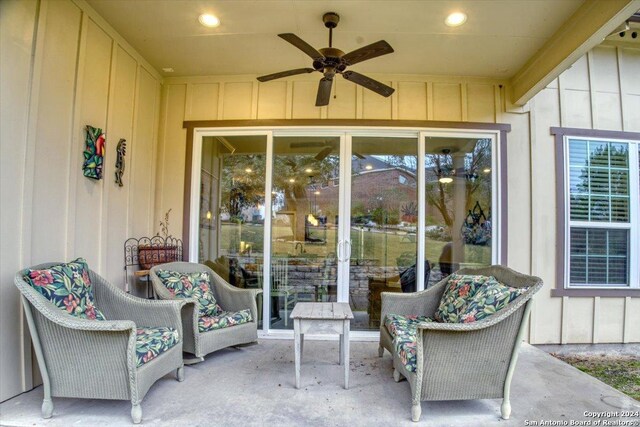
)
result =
(416, 98)
(63, 68)
(600, 91)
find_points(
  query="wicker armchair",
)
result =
(228, 297)
(459, 361)
(102, 351)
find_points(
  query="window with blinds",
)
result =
(602, 206)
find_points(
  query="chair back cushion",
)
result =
(68, 287)
(492, 297)
(195, 285)
(456, 296)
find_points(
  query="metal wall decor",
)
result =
(94, 153)
(121, 150)
(144, 253)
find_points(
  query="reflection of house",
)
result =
(375, 183)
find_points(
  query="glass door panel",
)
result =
(384, 219)
(459, 195)
(304, 230)
(231, 213)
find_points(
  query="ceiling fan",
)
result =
(331, 61)
(326, 148)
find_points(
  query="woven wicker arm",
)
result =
(234, 299)
(117, 304)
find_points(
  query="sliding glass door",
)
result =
(304, 226)
(342, 215)
(383, 222)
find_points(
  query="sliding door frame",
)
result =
(346, 130)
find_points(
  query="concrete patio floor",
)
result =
(254, 386)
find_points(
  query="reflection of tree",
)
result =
(477, 184)
(243, 181)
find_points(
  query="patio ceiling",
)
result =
(526, 43)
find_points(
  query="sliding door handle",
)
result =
(348, 244)
(339, 250)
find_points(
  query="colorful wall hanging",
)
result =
(94, 153)
(121, 150)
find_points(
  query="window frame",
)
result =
(564, 223)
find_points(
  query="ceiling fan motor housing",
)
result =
(330, 19)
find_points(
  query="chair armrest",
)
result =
(117, 304)
(234, 299)
(423, 303)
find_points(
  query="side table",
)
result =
(322, 318)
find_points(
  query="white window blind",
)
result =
(603, 211)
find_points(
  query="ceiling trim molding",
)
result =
(271, 123)
(584, 30)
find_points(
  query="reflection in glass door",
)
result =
(459, 203)
(342, 216)
(384, 219)
(304, 229)
(231, 226)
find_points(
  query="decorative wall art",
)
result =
(120, 152)
(94, 153)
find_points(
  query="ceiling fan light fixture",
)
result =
(209, 20)
(455, 19)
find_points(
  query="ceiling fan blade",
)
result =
(373, 50)
(369, 83)
(324, 92)
(302, 45)
(323, 153)
(282, 74)
(358, 155)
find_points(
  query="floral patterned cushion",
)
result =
(394, 322)
(152, 342)
(455, 298)
(492, 297)
(404, 330)
(191, 285)
(224, 319)
(68, 287)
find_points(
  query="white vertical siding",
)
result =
(600, 91)
(81, 73)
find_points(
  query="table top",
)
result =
(322, 310)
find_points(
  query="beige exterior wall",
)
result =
(416, 98)
(63, 68)
(600, 91)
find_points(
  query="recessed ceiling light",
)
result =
(292, 180)
(456, 19)
(248, 170)
(316, 192)
(308, 170)
(368, 167)
(446, 180)
(208, 20)
(168, 70)
(487, 170)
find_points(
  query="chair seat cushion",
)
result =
(459, 291)
(68, 287)
(152, 342)
(492, 297)
(404, 330)
(195, 285)
(224, 319)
